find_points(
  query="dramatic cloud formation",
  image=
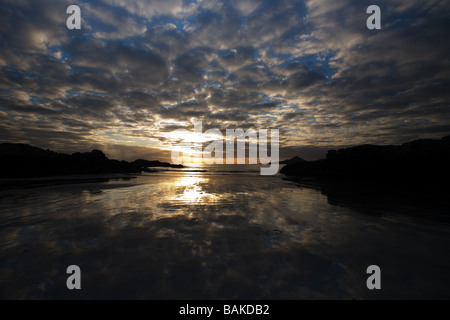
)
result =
(139, 69)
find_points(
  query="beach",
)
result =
(208, 233)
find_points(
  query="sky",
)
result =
(138, 70)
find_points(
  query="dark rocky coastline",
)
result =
(408, 179)
(24, 161)
(420, 160)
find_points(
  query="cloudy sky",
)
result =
(138, 70)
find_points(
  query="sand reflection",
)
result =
(191, 191)
(178, 235)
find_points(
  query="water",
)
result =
(216, 234)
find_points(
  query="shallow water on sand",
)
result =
(210, 235)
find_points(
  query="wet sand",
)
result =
(203, 235)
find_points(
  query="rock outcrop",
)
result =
(294, 160)
(21, 161)
(421, 160)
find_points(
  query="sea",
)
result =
(216, 232)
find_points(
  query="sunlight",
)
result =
(188, 145)
(190, 181)
(193, 192)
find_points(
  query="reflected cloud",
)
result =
(203, 236)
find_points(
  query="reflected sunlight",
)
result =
(190, 181)
(192, 190)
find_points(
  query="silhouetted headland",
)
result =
(401, 179)
(294, 160)
(25, 161)
(421, 160)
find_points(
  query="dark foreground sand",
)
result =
(202, 235)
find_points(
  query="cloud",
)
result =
(148, 8)
(246, 8)
(112, 22)
(139, 68)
